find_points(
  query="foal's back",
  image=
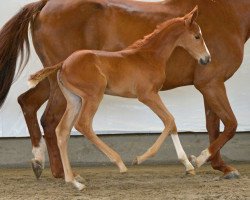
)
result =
(120, 73)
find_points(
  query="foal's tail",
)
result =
(36, 78)
(14, 41)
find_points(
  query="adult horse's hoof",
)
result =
(190, 172)
(231, 175)
(37, 167)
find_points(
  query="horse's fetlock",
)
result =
(216, 166)
(182, 158)
(232, 127)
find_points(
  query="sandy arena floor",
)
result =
(141, 182)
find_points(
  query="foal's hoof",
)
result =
(78, 185)
(78, 178)
(193, 160)
(123, 170)
(136, 161)
(190, 172)
(231, 175)
(37, 167)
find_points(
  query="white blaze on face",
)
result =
(39, 152)
(206, 49)
(208, 53)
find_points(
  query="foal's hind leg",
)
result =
(63, 131)
(153, 101)
(84, 125)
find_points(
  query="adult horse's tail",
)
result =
(14, 41)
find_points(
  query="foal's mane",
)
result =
(141, 42)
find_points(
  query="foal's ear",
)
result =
(190, 17)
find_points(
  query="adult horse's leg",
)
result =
(213, 128)
(30, 102)
(154, 102)
(216, 99)
(50, 119)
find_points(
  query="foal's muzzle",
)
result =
(205, 60)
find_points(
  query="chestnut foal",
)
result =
(135, 72)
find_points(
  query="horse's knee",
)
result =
(144, 98)
(169, 123)
(230, 128)
(172, 124)
(86, 129)
(82, 127)
(233, 125)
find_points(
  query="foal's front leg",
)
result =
(153, 101)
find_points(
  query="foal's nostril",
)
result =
(205, 61)
(208, 58)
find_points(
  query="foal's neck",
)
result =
(161, 43)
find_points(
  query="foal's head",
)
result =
(191, 39)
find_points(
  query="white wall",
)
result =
(126, 115)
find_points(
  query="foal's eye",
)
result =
(197, 37)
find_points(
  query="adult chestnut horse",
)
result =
(61, 27)
(135, 72)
